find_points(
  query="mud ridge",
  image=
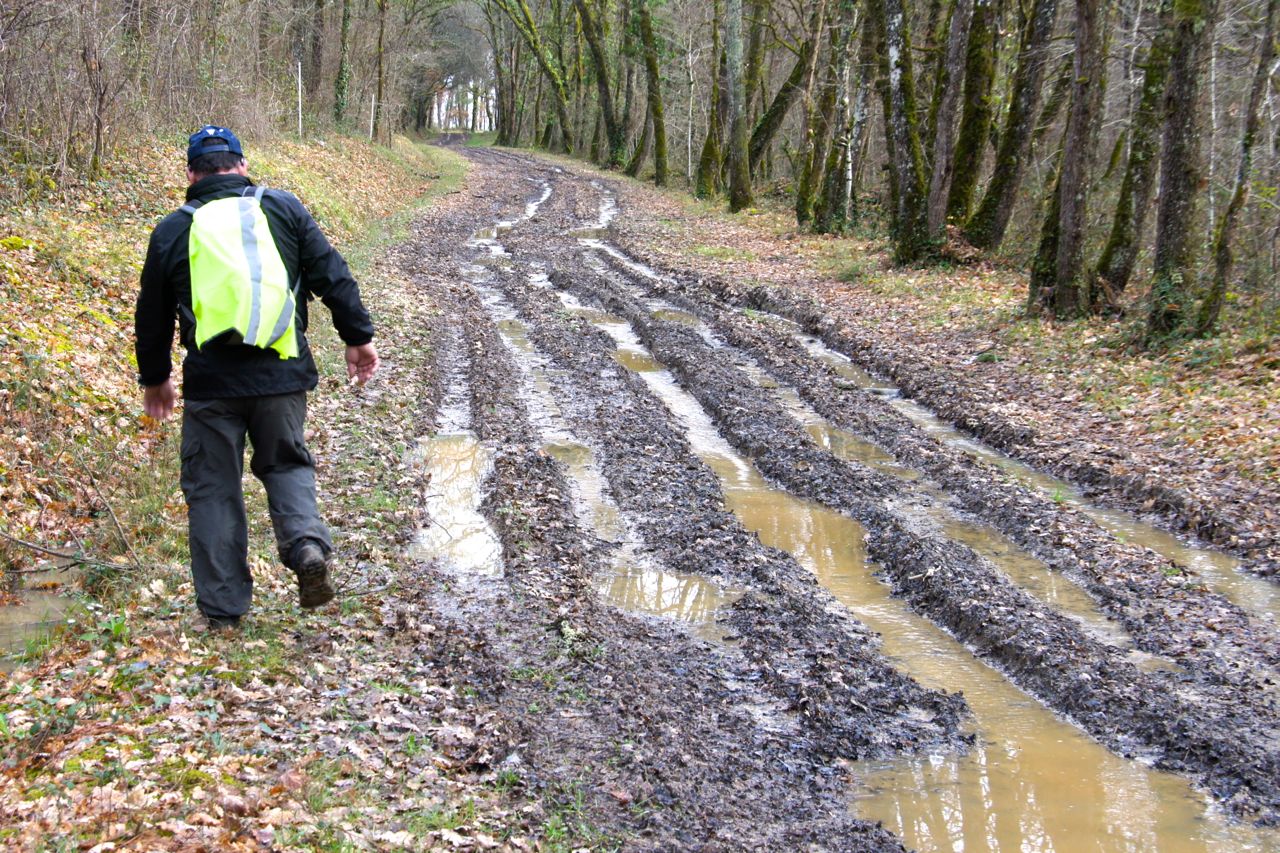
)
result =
(809, 650)
(1226, 747)
(1165, 613)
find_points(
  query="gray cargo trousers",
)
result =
(213, 440)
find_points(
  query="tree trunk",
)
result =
(858, 138)
(985, 229)
(975, 120)
(614, 133)
(831, 215)
(1071, 288)
(935, 34)
(707, 180)
(1044, 264)
(342, 82)
(759, 13)
(1115, 266)
(522, 17)
(382, 68)
(642, 148)
(1174, 271)
(653, 83)
(946, 98)
(911, 237)
(739, 165)
(315, 57)
(1211, 308)
(818, 133)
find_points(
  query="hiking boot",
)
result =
(216, 624)
(312, 569)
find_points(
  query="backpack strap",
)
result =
(190, 207)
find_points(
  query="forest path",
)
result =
(670, 528)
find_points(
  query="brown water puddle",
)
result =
(458, 535)
(1033, 781)
(632, 582)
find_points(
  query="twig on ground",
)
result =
(74, 558)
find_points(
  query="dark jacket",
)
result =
(221, 370)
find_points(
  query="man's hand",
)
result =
(158, 400)
(362, 362)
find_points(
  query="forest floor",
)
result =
(618, 529)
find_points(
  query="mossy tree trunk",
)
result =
(818, 135)
(521, 16)
(759, 12)
(942, 115)
(797, 82)
(641, 151)
(615, 134)
(975, 119)
(985, 229)
(1071, 291)
(707, 179)
(653, 83)
(911, 236)
(1119, 254)
(739, 165)
(1180, 173)
(831, 214)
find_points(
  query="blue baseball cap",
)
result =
(212, 139)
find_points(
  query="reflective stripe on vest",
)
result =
(239, 282)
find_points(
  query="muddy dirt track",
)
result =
(665, 465)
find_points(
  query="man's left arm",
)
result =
(326, 274)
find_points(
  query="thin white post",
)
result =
(373, 111)
(299, 99)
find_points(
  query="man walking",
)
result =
(236, 265)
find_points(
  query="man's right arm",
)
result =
(154, 316)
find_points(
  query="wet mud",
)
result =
(753, 707)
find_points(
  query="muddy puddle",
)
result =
(927, 505)
(1219, 572)
(1025, 570)
(632, 582)
(458, 535)
(1032, 781)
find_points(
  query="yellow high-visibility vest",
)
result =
(239, 282)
